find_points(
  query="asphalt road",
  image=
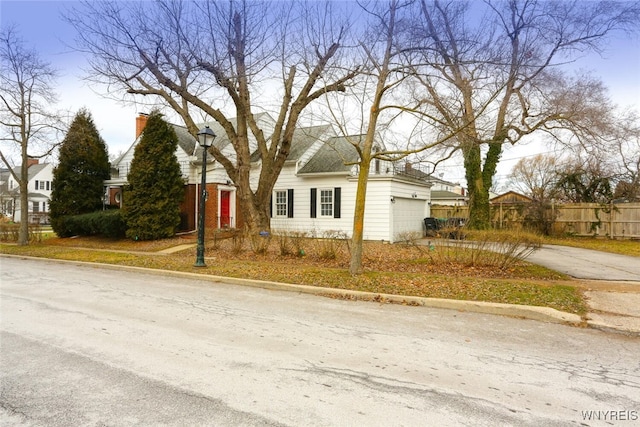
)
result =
(83, 345)
(587, 264)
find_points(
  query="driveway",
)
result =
(587, 264)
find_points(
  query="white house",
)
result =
(221, 204)
(447, 193)
(39, 194)
(316, 190)
(314, 193)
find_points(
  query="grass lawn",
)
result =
(411, 270)
(623, 247)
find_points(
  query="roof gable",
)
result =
(304, 138)
(333, 156)
(32, 171)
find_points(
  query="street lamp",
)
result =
(205, 139)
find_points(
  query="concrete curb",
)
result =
(544, 314)
(611, 322)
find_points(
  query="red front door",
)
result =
(225, 209)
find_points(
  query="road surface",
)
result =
(84, 345)
(587, 264)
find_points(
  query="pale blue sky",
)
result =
(41, 26)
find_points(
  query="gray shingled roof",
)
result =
(447, 195)
(222, 140)
(185, 140)
(303, 139)
(332, 156)
(190, 144)
(33, 170)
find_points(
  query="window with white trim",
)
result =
(326, 202)
(281, 203)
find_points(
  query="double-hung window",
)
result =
(326, 202)
(281, 203)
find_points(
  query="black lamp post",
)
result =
(205, 139)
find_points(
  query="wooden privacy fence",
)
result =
(620, 220)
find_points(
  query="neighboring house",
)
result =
(447, 193)
(315, 192)
(39, 193)
(448, 198)
(6, 199)
(440, 184)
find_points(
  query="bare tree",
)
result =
(376, 104)
(226, 61)
(536, 176)
(585, 180)
(628, 151)
(27, 121)
(495, 70)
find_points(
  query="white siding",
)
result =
(380, 222)
(377, 209)
(302, 220)
(37, 195)
(190, 171)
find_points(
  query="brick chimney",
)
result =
(141, 122)
(31, 161)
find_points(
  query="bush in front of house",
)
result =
(78, 180)
(151, 205)
(107, 223)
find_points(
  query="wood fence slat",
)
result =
(581, 219)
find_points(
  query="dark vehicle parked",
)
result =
(446, 228)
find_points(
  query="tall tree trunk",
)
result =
(478, 193)
(357, 237)
(23, 232)
(479, 179)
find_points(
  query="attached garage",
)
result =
(407, 215)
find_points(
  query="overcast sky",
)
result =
(41, 27)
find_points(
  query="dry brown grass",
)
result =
(624, 247)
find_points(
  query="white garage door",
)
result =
(407, 216)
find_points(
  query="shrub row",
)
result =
(107, 223)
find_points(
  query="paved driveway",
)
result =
(587, 264)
